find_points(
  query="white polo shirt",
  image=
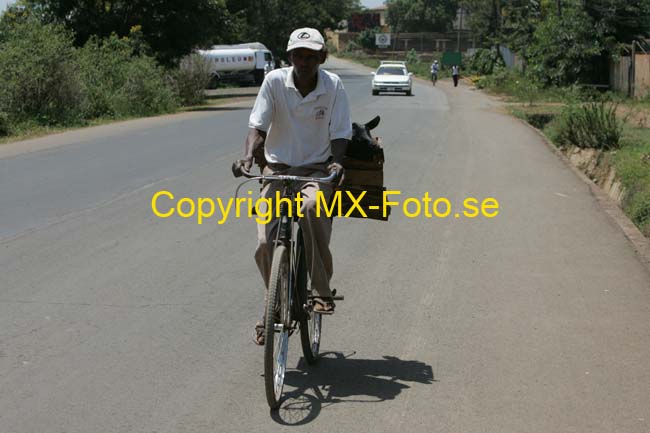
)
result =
(299, 130)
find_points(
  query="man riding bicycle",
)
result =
(302, 118)
(434, 71)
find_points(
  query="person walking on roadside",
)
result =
(454, 74)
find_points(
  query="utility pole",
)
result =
(559, 8)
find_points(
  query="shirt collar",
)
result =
(320, 86)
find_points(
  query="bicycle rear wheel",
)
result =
(310, 323)
(276, 327)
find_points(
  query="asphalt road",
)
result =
(113, 320)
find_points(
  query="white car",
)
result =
(392, 77)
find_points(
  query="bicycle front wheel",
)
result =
(276, 327)
(310, 323)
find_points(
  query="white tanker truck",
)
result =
(239, 63)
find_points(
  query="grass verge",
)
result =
(632, 163)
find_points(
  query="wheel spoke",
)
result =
(281, 363)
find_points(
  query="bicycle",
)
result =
(434, 77)
(289, 301)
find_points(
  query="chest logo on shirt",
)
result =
(319, 113)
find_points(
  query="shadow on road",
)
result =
(338, 378)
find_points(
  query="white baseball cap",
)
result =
(306, 38)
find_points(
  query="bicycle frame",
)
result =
(285, 232)
(288, 306)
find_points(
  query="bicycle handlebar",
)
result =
(239, 171)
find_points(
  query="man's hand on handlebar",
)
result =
(241, 166)
(340, 172)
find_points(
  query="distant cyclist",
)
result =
(302, 116)
(434, 72)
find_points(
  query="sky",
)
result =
(4, 3)
(366, 3)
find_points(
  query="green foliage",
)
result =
(564, 49)
(484, 61)
(103, 70)
(592, 125)
(517, 85)
(421, 15)
(39, 74)
(171, 28)
(191, 79)
(632, 163)
(621, 21)
(367, 38)
(46, 81)
(145, 90)
(483, 19)
(4, 124)
(117, 82)
(412, 57)
(272, 21)
(638, 207)
(423, 70)
(519, 19)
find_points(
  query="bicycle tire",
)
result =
(276, 311)
(310, 323)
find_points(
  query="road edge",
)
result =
(640, 243)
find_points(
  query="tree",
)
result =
(421, 15)
(621, 20)
(519, 19)
(171, 28)
(564, 48)
(483, 18)
(272, 21)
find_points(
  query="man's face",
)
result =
(305, 62)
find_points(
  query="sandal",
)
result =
(258, 334)
(323, 305)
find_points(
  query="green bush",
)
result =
(4, 124)
(484, 61)
(638, 208)
(103, 71)
(145, 91)
(632, 162)
(351, 47)
(366, 38)
(45, 80)
(412, 57)
(39, 74)
(593, 125)
(565, 48)
(117, 82)
(191, 79)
